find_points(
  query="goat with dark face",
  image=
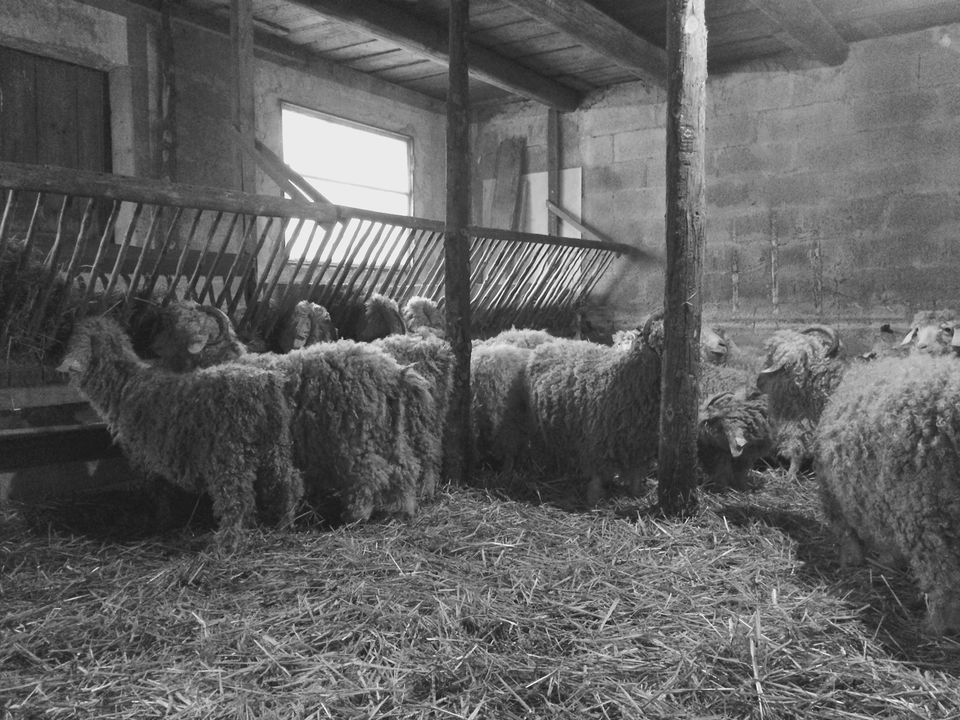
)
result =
(801, 371)
(733, 434)
(306, 323)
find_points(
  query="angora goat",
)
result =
(431, 357)
(597, 408)
(932, 332)
(801, 371)
(423, 316)
(365, 429)
(381, 317)
(888, 467)
(305, 324)
(188, 335)
(222, 430)
(499, 404)
(733, 434)
(519, 337)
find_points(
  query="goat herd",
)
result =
(353, 428)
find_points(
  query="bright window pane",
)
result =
(326, 151)
(349, 165)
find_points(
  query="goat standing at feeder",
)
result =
(189, 335)
(597, 408)
(500, 404)
(519, 337)
(432, 357)
(365, 429)
(222, 430)
(305, 324)
(423, 316)
(381, 317)
(888, 468)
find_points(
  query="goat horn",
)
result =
(223, 322)
(710, 400)
(832, 336)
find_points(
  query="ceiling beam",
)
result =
(809, 30)
(283, 52)
(598, 31)
(389, 22)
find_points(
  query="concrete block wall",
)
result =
(833, 193)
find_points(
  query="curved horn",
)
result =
(833, 337)
(713, 398)
(223, 321)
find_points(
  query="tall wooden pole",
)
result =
(456, 242)
(244, 113)
(168, 97)
(686, 112)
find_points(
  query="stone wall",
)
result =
(833, 193)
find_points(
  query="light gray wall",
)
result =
(833, 193)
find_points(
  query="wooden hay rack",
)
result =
(75, 242)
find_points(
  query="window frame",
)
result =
(337, 119)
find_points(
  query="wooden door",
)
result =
(52, 113)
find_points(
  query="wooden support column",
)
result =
(244, 114)
(686, 102)
(168, 97)
(553, 170)
(456, 241)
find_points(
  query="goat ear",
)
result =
(908, 338)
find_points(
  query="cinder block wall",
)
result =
(833, 193)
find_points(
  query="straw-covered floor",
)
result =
(482, 607)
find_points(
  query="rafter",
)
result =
(424, 38)
(286, 53)
(601, 33)
(807, 28)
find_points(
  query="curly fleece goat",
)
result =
(733, 433)
(597, 408)
(222, 430)
(888, 468)
(365, 429)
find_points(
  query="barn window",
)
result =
(350, 164)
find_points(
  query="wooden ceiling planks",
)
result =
(737, 33)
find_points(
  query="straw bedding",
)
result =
(482, 606)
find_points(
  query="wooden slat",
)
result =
(505, 208)
(21, 176)
(33, 447)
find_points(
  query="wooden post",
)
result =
(686, 100)
(553, 170)
(244, 114)
(168, 98)
(456, 241)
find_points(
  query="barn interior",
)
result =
(150, 149)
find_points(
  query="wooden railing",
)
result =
(80, 242)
